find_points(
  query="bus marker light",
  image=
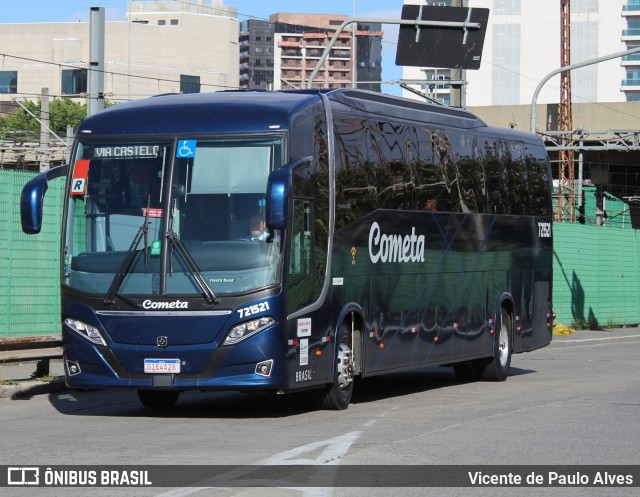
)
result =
(318, 352)
(435, 339)
(382, 345)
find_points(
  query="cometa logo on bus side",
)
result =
(395, 248)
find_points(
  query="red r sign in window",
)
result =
(80, 174)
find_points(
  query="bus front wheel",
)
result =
(497, 368)
(158, 399)
(337, 396)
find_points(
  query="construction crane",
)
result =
(565, 205)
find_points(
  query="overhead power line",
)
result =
(112, 73)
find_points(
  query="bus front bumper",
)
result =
(257, 363)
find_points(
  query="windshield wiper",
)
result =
(127, 262)
(177, 244)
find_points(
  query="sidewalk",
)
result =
(596, 337)
(16, 378)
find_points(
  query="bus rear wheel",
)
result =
(337, 396)
(497, 368)
(158, 399)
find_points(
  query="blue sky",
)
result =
(19, 11)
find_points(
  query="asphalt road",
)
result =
(560, 406)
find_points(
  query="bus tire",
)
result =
(337, 396)
(158, 399)
(497, 368)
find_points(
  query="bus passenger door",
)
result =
(306, 297)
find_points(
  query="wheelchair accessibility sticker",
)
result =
(186, 149)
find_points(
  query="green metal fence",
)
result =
(618, 215)
(595, 275)
(29, 265)
(596, 269)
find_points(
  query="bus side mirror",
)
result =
(278, 188)
(32, 199)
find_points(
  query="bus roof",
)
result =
(402, 108)
(264, 111)
(198, 113)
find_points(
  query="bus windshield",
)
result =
(172, 217)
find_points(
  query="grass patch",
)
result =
(591, 323)
(43, 379)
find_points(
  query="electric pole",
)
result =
(565, 205)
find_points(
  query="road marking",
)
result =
(333, 449)
(67, 396)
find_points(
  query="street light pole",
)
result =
(577, 65)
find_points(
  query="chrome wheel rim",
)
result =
(503, 345)
(345, 366)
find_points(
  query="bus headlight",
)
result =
(245, 330)
(85, 330)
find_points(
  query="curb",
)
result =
(592, 341)
(26, 389)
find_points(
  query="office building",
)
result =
(163, 47)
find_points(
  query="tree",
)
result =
(19, 122)
(62, 112)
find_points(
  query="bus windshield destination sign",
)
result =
(129, 151)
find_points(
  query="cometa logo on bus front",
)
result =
(176, 304)
(395, 248)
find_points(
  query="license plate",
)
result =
(162, 365)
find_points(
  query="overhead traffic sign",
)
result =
(453, 39)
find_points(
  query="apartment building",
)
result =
(282, 53)
(522, 45)
(631, 39)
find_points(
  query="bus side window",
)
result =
(300, 250)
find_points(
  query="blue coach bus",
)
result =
(291, 241)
